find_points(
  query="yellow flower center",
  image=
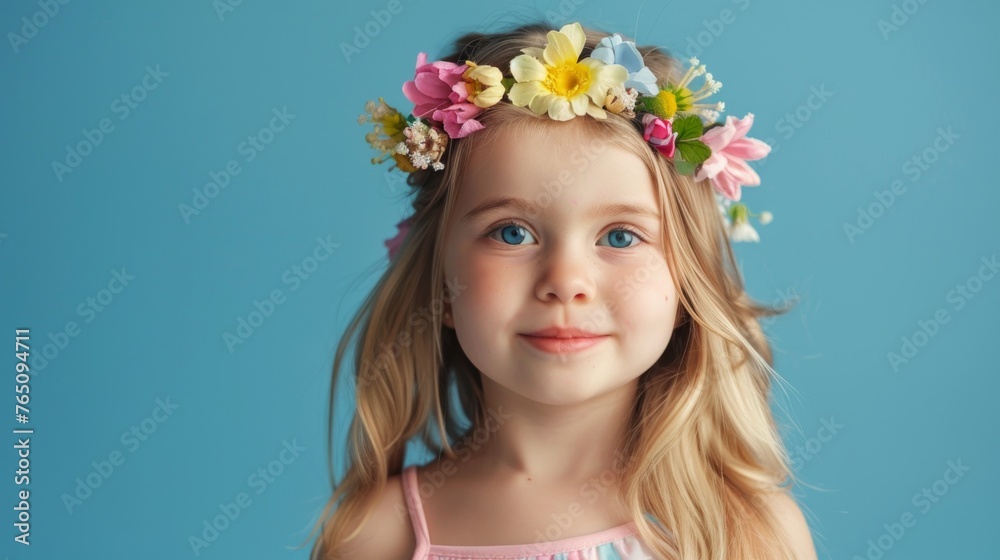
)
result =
(669, 103)
(568, 80)
(474, 89)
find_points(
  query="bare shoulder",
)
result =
(788, 513)
(387, 533)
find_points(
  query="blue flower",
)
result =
(613, 50)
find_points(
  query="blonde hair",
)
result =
(702, 444)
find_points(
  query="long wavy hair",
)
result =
(702, 444)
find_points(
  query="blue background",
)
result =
(62, 237)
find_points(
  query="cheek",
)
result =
(647, 297)
(490, 285)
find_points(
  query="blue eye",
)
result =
(512, 234)
(622, 238)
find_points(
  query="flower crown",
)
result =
(555, 81)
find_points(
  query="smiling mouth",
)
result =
(554, 345)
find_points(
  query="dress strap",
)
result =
(411, 490)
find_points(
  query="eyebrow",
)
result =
(599, 211)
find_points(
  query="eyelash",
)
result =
(616, 227)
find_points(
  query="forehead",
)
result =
(558, 168)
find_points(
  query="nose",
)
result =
(566, 276)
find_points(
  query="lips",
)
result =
(560, 340)
(563, 332)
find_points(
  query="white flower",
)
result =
(765, 217)
(743, 231)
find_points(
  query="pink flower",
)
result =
(660, 134)
(727, 167)
(431, 87)
(440, 93)
(393, 244)
(458, 121)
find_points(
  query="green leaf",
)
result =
(688, 127)
(683, 167)
(508, 83)
(694, 151)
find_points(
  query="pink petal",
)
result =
(719, 137)
(432, 86)
(742, 126)
(393, 244)
(424, 105)
(740, 171)
(748, 149)
(711, 167)
(459, 92)
(726, 186)
(421, 59)
(468, 127)
(462, 111)
(668, 147)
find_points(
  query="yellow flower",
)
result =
(682, 99)
(557, 82)
(484, 84)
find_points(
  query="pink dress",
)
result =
(618, 543)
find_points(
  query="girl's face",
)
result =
(555, 228)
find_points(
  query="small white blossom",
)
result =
(743, 231)
(420, 161)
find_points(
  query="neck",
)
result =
(556, 444)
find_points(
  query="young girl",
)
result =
(562, 322)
